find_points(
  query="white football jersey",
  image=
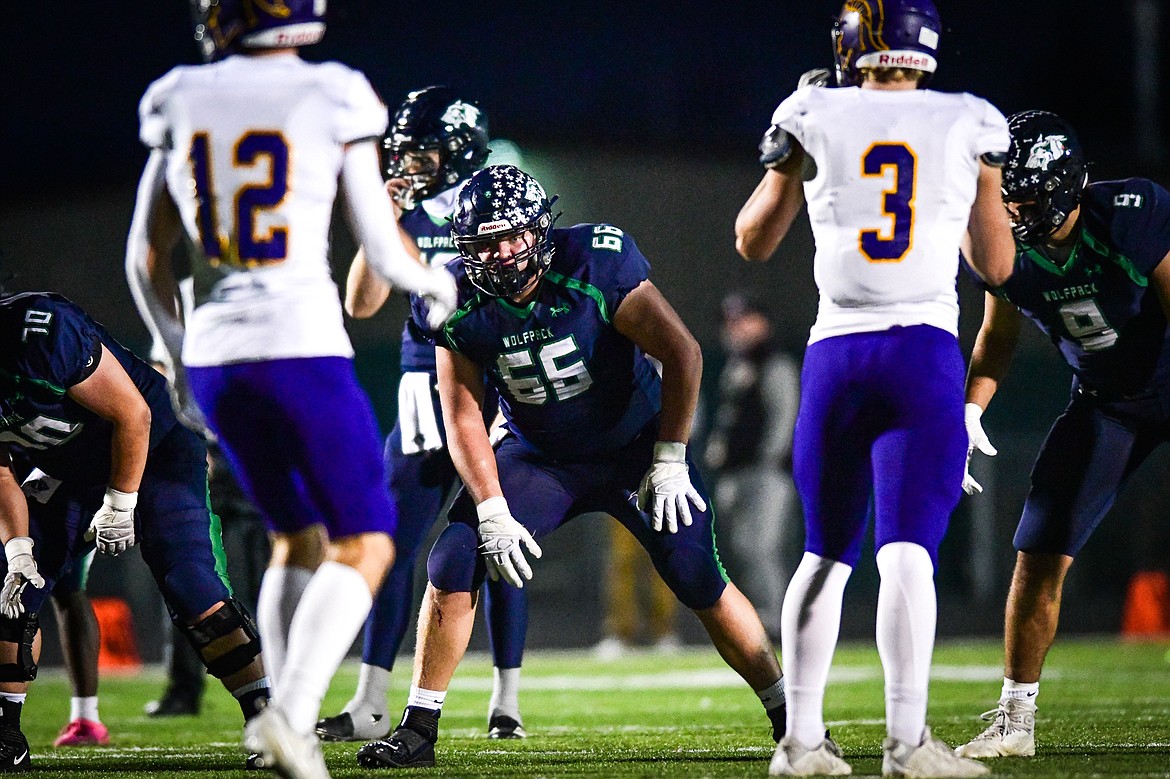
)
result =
(254, 149)
(889, 202)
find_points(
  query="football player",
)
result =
(435, 142)
(560, 322)
(893, 174)
(248, 152)
(76, 404)
(1093, 273)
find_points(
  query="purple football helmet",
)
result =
(224, 27)
(885, 34)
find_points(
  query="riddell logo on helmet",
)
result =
(903, 59)
(493, 227)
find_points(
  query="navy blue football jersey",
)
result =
(570, 385)
(47, 345)
(1096, 305)
(432, 235)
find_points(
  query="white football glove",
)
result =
(976, 439)
(499, 542)
(817, 77)
(666, 488)
(440, 295)
(112, 528)
(22, 571)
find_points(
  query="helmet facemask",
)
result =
(506, 277)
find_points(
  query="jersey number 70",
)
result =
(897, 202)
(242, 247)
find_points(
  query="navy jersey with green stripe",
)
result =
(1097, 305)
(571, 386)
(432, 235)
(47, 345)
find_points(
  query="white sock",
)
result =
(426, 699)
(906, 613)
(15, 697)
(83, 708)
(1020, 691)
(331, 612)
(280, 591)
(809, 624)
(505, 693)
(373, 691)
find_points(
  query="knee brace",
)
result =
(21, 631)
(226, 620)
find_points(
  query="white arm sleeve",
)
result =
(371, 216)
(164, 327)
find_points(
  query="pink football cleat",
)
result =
(83, 733)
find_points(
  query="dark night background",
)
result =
(644, 114)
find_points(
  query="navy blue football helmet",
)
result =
(1045, 174)
(435, 119)
(498, 204)
(224, 27)
(885, 34)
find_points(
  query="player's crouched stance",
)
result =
(560, 320)
(77, 405)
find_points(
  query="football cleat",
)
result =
(83, 733)
(14, 753)
(411, 745)
(173, 704)
(280, 748)
(1012, 732)
(792, 758)
(931, 758)
(779, 717)
(343, 727)
(503, 726)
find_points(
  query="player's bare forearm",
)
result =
(365, 290)
(769, 212)
(647, 319)
(994, 347)
(13, 505)
(461, 395)
(992, 250)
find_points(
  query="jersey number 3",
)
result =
(242, 248)
(897, 202)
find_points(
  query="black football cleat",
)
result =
(343, 728)
(173, 704)
(14, 754)
(779, 716)
(254, 762)
(411, 745)
(503, 726)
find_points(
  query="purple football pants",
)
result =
(301, 436)
(881, 425)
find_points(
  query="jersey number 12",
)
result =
(242, 247)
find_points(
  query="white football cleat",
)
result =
(1012, 732)
(290, 754)
(931, 758)
(792, 758)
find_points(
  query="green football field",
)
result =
(1104, 711)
